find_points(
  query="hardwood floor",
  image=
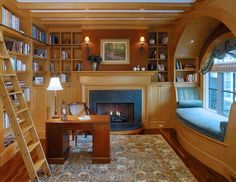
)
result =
(15, 171)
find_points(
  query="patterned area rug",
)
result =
(135, 158)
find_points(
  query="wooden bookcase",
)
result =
(158, 54)
(186, 70)
(19, 46)
(65, 54)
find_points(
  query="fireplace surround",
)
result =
(124, 107)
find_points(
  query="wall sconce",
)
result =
(142, 40)
(86, 39)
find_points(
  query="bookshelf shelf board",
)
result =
(7, 31)
(39, 72)
(66, 45)
(152, 59)
(162, 71)
(162, 45)
(55, 59)
(78, 59)
(12, 53)
(40, 58)
(38, 42)
(186, 70)
(55, 72)
(22, 72)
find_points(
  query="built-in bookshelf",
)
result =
(19, 47)
(65, 54)
(186, 70)
(158, 54)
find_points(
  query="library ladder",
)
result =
(20, 118)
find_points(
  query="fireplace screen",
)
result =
(119, 112)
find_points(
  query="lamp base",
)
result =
(55, 116)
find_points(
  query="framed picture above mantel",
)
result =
(115, 51)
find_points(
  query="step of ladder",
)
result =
(33, 146)
(24, 130)
(39, 164)
(24, 123)
(14, 93)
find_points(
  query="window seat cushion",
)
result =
(203, 121)
(189, 103)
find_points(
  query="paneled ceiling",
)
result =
(107, 12)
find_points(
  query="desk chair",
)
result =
(78, 109)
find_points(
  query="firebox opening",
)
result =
(119, 112)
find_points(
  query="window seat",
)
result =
(207, 136)
(203, 121)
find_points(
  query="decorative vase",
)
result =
(94, 65)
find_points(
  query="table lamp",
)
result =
(55, 85)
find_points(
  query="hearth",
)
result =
(123, 106)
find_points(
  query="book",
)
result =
(10, 20)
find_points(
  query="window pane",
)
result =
(228, 100)
(213, 80)
(213, 99)
(228, 81)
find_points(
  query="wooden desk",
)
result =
(57, 137)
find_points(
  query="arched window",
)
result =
(220, 81)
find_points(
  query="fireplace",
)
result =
(123, 106)
(119, 112)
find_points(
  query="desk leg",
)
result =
(101, 144)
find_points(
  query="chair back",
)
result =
(78, 109)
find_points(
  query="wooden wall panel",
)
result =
(137, 57)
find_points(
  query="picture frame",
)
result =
(115, 51)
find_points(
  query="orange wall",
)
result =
(137, 57)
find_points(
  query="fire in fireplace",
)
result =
(119, 112)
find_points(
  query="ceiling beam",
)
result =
(104, 6)
(105, 15)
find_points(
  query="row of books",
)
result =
(38, 80)
(63, 78)
(38, 34)
(17, 65)
(17, 46)
(10, 20)
(179, 66)
(41, 53)
(37, 66)
(188, 78)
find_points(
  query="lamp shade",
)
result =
(86, 39)
(54, 84)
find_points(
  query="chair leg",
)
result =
(75, 139)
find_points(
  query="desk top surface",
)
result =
(95, 119)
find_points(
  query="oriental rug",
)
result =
(134, 158)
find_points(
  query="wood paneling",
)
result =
(161, 105)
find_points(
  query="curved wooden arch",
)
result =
(217, 13)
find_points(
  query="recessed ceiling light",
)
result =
(192, 41)
(110, 1)
(107, 11)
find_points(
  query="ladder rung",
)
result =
(39, 164)
(13, 93)
(32, 146)
(21, 110)
(21, 121)
(8, 74)
(4, 57)
(27, 128)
